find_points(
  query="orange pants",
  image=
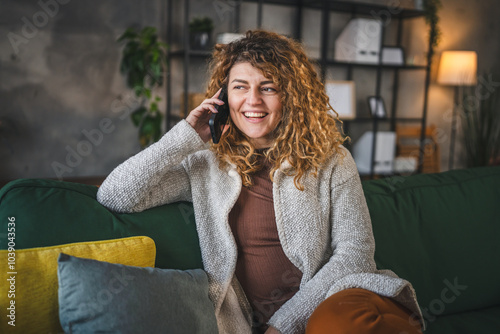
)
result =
(359, 311)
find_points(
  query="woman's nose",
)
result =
(254, 97)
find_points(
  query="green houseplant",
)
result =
(431, 8)
(144, 60)
(481, 128)
(200, 30)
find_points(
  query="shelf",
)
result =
(348, 9)
(385, 119)
(282, 2)
(192, 53)
(208, 53)
(372, 10)
(386, 66)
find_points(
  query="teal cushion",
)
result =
(49, 213)
(102, 297)
(440, 231)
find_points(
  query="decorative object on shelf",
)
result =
(359, 41)
(385, 150)
(408, 147)
(481, 127)
(405, 165)
(144, 60)
(419, 59)
(377, 107)
(342, 97)
(392, 55)
(419, 4)
(458, 69)
(228, 37)
(200, 31)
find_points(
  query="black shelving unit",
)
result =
(353, 10)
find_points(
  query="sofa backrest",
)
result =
(441, 231)
(49, 213)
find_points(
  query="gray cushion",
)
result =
(97, 296)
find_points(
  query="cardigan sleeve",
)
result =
(154, 176)
(353, 248)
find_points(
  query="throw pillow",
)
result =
(101, 297)
(33, 285)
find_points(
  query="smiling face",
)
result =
(254, 103)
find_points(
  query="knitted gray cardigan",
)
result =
(325, 230)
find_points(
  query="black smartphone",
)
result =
(218, 120)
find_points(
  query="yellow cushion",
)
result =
(35, 286)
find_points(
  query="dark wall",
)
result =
(62, 98)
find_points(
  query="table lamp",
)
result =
(458, 69)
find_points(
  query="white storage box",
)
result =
(359, 42)
(227, 37)
(385, 150)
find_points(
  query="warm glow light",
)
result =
(458, 68)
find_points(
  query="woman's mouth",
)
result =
(252, 115)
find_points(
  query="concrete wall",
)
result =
(64, 105)
(60, 85)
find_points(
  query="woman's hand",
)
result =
(198, 117)
(272, 330)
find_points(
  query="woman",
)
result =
(283, 224)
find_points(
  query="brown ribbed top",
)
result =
(266, 275)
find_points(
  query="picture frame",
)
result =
(377, 107)
(393, 55)
(342, 97)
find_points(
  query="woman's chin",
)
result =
(260, 141)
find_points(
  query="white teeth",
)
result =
(255, 114)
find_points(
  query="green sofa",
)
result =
(439, 231)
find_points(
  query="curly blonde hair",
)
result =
(307, 134)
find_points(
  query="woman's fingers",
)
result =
(198, 117)
(209, 103)
(214, 100)
(217, 93)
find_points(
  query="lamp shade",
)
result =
(458, 68)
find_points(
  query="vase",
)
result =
(200, 40)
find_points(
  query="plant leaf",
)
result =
(138, 115)
(143, 62)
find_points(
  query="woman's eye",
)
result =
(269, 90)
